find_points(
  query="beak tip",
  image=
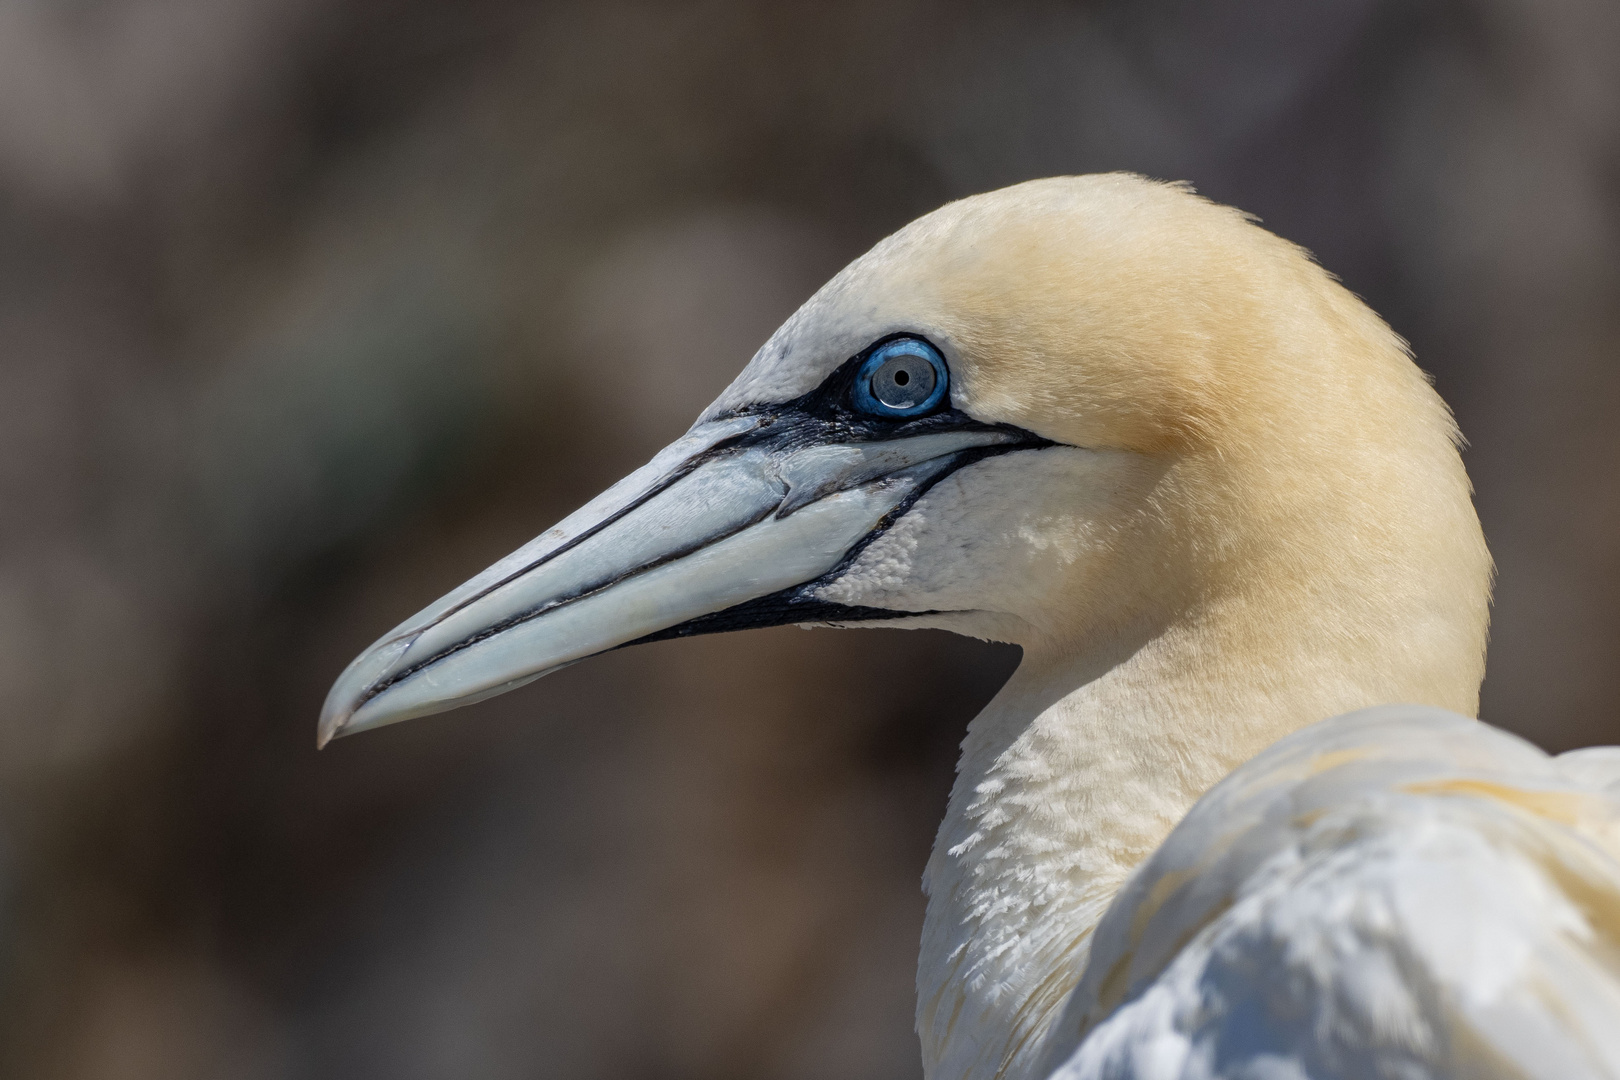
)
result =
(332, 726)
(337, 712)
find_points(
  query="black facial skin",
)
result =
(827, 415)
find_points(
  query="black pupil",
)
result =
(904, 381)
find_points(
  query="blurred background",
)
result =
(309, 309)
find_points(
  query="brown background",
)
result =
(310, 309)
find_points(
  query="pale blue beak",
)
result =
(743, 515)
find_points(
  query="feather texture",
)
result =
(1401, 892)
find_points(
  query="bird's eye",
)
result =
(903, 377)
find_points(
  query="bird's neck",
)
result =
(1065, 784)
(1068, 780)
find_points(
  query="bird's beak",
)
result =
(734, 525)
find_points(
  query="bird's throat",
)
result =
(1068, 780)
(1062, 789)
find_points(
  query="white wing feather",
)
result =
(1400, 892)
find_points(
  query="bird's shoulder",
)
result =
(1395, 892)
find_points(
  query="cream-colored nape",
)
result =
(1213, 499)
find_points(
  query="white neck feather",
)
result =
(1083, 763)
(1059, 795)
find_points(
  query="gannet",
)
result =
(1232, 816)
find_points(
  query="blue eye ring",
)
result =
(903, 377)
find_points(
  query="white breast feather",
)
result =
(1401, 892)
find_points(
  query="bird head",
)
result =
(1076, 411)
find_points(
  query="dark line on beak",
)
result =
(556, 602)
(663, 484)
(820, 416)
(798, 604)
(791, 605)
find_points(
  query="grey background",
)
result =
(309, 310)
